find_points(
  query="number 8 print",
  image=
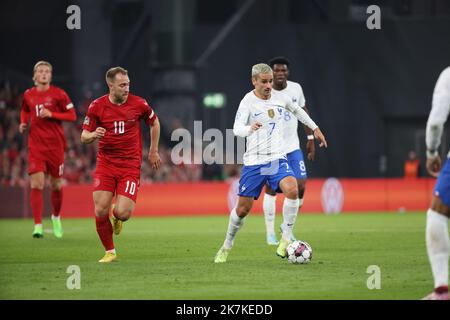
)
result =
(302, 166)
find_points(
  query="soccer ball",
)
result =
(299, 252)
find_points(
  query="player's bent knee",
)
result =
(39, 186)
(292, 193)
(55, 186)
(438, 206)
(101, 211)
(242, 211)
(123, 216)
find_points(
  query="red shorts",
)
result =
(118, 182)
(51, 162)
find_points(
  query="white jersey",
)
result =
(439, 111)
(295, 92)
(267, 143)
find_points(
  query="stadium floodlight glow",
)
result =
(215, 100)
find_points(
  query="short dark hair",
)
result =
(279, 60)
(111, 73)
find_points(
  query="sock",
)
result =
(441, 289)
(290, 209)
(234, 224)
(105, 232)
(37, 205)
(56, 202)
(111, 251)
(269, 208)
(438, 246)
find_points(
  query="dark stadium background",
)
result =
(369, 90)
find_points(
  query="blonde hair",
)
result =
(111, 73)
(41, 63)
(260, 68)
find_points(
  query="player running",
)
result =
(45, 107)
(260, 120)
(437, 240)
(291, 144)
(114, 120)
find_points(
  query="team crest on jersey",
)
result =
(271, 113)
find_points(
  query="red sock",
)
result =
(441, 289)
(56, 201)
(105, 232)
(37, 205)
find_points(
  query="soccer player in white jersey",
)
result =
(260, 120)
(437, 240)
(291, 144)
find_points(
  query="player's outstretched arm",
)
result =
(153, 155)
(310, 147)
(68, 115)
(319, 135)
(434, 165)
(89, 137)
(24, 116)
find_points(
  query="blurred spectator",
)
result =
(412, 165)
(80, 159)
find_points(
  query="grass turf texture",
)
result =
(172, 258)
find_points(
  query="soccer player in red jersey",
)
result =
(114, 120)
(45, 107)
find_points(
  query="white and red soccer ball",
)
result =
(299, 252)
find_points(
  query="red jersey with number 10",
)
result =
(45, 133)
(121, 147)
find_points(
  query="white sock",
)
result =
(111, 251)
(38, 225)
(290, 209)
(234, 224)
(56, 217)
(269, 208)
(438, 246)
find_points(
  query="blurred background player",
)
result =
(114, 120)
(45, 107)
(260, 120)
(438, 245)
(291, 144)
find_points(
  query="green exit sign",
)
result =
(214, 100)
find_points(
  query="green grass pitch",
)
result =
(172, 258)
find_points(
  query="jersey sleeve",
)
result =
(301, 114)
(64, 101)
(440, 110)
(301, 97)
(25, 110)
(91, 118)
(148, 114)
(241, 127)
